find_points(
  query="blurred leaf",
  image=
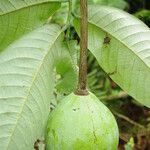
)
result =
(130, 144)
(68, 80)
(121, 4)
(61, 15)
(144, 13)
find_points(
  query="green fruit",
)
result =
(81, 123)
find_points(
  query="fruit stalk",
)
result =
(83, 50)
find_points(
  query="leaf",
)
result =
(143, 13)
(68, 81)
(121, 4)
(19, 16)
(121, 45)
(130, 144)
(27, 85)
(60, 17)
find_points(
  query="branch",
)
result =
(116, 97)
(128, 120)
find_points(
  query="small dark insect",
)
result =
(74, 109)
(52, 106)
(106, 40)
(36, 144)
(112, 73)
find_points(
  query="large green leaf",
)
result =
(19, 16)
(121, 45)
(26, 85)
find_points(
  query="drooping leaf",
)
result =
(26, 86)
(19, 16)
(121, 45)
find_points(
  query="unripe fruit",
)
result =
(81, 123)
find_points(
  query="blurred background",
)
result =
(133, 118)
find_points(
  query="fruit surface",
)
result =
(81, 123)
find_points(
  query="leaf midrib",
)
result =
(28, 6)
(32, 83)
